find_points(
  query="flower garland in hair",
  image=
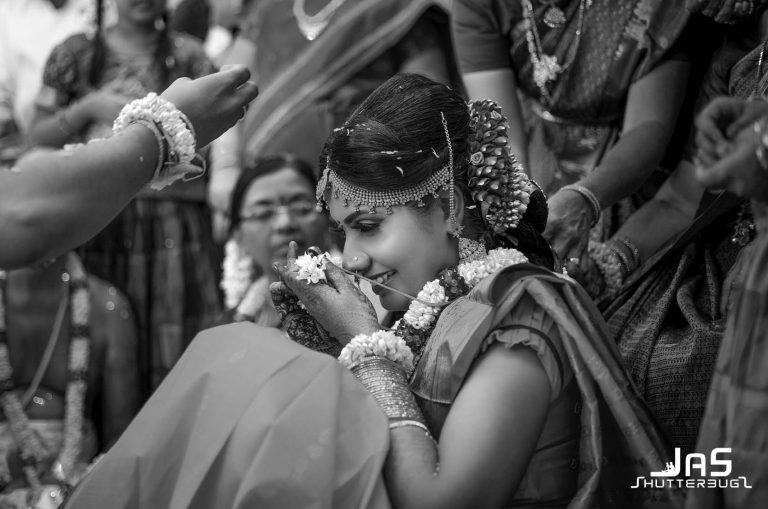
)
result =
(419, 320)
(31, 448)
(496, 179)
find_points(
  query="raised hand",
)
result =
(213, 103)
(338, 305)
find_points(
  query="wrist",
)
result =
(589, 198)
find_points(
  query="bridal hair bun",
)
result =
(496, 179)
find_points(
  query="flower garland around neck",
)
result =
(419, 320)
(31, 448)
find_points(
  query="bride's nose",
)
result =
(357, 261)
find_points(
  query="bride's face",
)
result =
(404, 250)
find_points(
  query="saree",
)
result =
(249, 419)
(670, 316)
(307, 88)
(737, 407)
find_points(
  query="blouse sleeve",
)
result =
(481, 34)
(530, 326)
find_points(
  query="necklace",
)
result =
(31, 449)
(418, 322)
(546, 68)
(311, 26)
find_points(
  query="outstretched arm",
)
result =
(57, 200)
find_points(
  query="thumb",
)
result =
(334, 275)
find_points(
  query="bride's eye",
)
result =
(367, 226)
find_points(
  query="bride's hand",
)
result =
(337, 304)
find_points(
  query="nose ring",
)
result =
(355, 258)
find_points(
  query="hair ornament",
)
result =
(496, 179)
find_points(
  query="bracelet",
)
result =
(161, 147)
(387, 383)
(761, 142)
(176, 131)
(609, 263)
(588, 195)
(401, 423)
(633, 250)
(384, 344)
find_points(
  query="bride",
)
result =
(493, 383)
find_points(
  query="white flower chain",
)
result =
(383, 343)
(237, 274)
(424, 310)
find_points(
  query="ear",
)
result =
(458, 203)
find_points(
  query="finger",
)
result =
(336, 277)
(247, 92)
(726, 12)
(714, 176)
(235, 74)
(293, 250)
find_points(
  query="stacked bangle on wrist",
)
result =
(382, 361)
(175, 135)
(610, 263)
(761, 143)
(590, 197)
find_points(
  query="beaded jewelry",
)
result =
(175, 135)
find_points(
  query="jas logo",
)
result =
(699, 473)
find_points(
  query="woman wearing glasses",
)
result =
(272, 203)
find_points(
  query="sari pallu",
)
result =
(669, 320)
(619, 440)
(737, 408)
(296, 78)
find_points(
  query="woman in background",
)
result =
(159, 251)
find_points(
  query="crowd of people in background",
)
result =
(642, 125)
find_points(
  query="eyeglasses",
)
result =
(263, 212)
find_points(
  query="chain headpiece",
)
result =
(360, 197)
(497, 181)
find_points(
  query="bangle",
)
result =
(176, 131)
(609, 263)
(387, 383)
(633, 250)
(161, 147)
(401, 423)
(588, 195)
(761, 142)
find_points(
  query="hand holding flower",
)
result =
(337, 304)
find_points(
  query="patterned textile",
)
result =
(620, 43)
(737, 409)
(599, 435)
(159, 250)
(160, 254)
(669, 319)
(669, 328)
